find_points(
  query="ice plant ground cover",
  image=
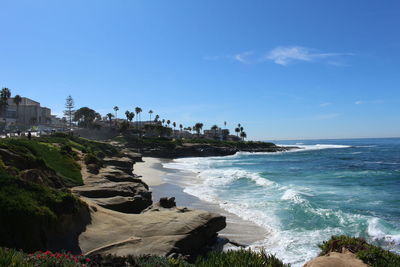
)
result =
(11, 257)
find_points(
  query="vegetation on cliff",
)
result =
(34, 179)
(369, 254)
(10, 257)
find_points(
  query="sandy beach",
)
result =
(160, 181)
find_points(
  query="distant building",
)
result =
(217, 134)
(26, 114)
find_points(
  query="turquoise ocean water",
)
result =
(302, 197)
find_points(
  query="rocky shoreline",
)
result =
(125, 221)
(206, 150)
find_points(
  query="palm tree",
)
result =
(163, 121)
(181, 127)
(5, 94)
(127, 115)
(168, 122)
(109, 116)
(189, 129)
(241, 129)
(225, 124)
(131, 116)
(116, 108)
(17, 101)
(150, 112)
(138, 110)
(243, 135)
(214, 128)
(174, 124)
(237, 130)
(198, 126)
(156, 118)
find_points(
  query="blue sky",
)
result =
(283, 69)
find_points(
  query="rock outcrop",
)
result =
(335, 259)
(157, 231)
(205, 150)
(115, 187)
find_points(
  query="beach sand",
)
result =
(155, 175)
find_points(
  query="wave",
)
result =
(322, 146)
(378, 232)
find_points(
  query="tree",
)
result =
(243, 135)
(163, 121)
(116, 108)
(168, 122)
(69, 112)
(150, 112)
(131, 116)
(174, 124)
(86, 117)
(109, 116)
(214, 128)
(127, 115)
(225, 133)
(138, 110)
(156, 118)
(237, 130)
(17, 101)
(241, 129)
(181, 127)
(5, 94)
(225, 124)
(197, 127)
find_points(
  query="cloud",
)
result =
(361, 102)
(243, 57)
(326, 116)
(284, 55)
(325, 104)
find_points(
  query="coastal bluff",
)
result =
(124, 220)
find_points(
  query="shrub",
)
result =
(369, 254)
(29, 210)
(91, 159)
(239, 258)
(12, 257)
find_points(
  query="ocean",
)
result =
(303, 197)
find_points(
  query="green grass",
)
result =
(79, 143)
(14, 258)
(64, 165)
(240, 258)
(28, 210)
(369, 254)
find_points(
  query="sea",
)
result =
(304, 196)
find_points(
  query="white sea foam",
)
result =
(378, 232)
(215, 175)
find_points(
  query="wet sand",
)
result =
(161, 183)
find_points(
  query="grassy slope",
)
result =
(28, 209)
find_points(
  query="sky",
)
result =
(282, 69)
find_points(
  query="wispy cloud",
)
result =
(243, 57)
(362, 102)
(325, 104)
(326, 116)
(284, 55)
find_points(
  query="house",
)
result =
(26, 114)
